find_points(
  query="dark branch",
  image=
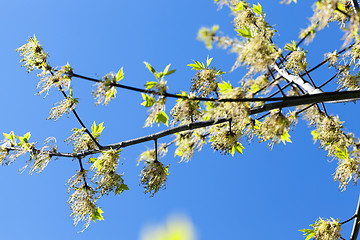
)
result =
(291, 101)
(355, 230)
(171, 95)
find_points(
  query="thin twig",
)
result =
(171, 95)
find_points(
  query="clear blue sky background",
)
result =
(262, 194)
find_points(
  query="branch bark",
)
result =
(355, 230)
(286, 102)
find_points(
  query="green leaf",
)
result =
(24, 139)
(245, 32)
(285, 137)
(97, 129)
(166, 68)
(162, 117)
(11, 136)
(197, 65)
(170, 72)
(341, 6)
(255, 88)
(310, 233)
(315, 135)
(239, 7)
(342, 154)
(225, 87)
(239, 147)
(120, 75)
(70, 92)
(214, 28)
(257, 9)
(151, 69)
(110, 94)
(150, 84)
(120, 188)
(257, 124)
(232, 151)
(208, 61)
(97, 214)
(291, 46)
(149, 101)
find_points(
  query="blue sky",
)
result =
(261, 194)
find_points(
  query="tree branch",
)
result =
(355, 230)
(355, 6)
(286, 102)
(171, 95)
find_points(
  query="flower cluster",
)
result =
(332, 138)
(153, 176)
(81, 140)
(17, 149)
(275, 128)
(106, 177)
(222, 139)
(82, 200)
(258, 54)
(33, 55)
(187, 142)
(41, 159)
(61, 78)
(347, 169)
(157, 113)
(296, 62)
(186, 109)
(328, 229)
(205, 82)
(207, 35)
(63, 107)
(105, 89)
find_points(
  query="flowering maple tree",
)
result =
(213, 111)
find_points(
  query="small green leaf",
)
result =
(149, 101)
(208, 61)
(110, 94)
(162, 117)
(255, 88)
(315, 135)
(225, 87)
(219, 72)
(120, 188)
(197, 65)
(120, 75)
(238, 7)
(97, 129)
(150, 84)
(342, 154)
(71, 92)
(245, 32)
(291, 46)
(214, 28)
(97, 214)
(285, 137)
(232, 151)
(27, 135)
(170, 72)
(166, 68)
(257, 9)
(309, 233)
(239, 147)
(151, 69)
(24, 139)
